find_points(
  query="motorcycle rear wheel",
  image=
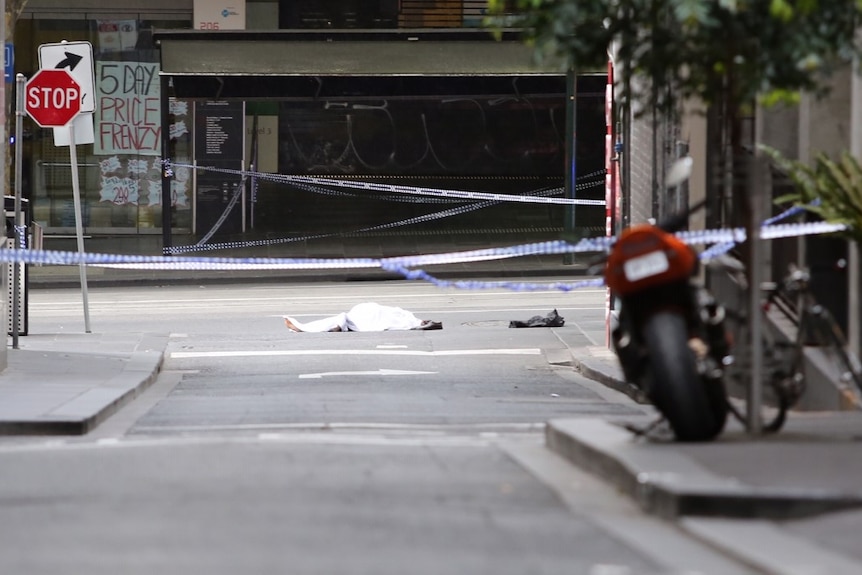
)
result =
(675, 387)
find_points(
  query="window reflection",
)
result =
(119, 169)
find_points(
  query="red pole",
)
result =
(610, 185)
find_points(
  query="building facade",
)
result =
(469, 129)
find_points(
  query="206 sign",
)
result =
(53, 98)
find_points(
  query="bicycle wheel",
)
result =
(780, 388)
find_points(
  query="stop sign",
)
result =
(53, 98)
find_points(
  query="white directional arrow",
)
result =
(77, 59)
(376, 372)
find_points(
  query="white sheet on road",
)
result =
(363, 317)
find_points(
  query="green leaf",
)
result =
(781, 9)
(691, 12)
(836, 184)
(727, 51)
(776, 97)
(731, 5)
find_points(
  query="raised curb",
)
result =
(86, 411)
(601, 365)
(665, 483)
(609, 376)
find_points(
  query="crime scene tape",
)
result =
(722, 240)
(407, 192)
(422, 191)
(401, 265)
(722, 248)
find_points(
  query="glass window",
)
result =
(120, 171)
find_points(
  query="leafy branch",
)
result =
(831, 189)
(731, 49)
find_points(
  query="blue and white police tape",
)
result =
(142, 262)
(722, 248)
(395, 189)
(540, 248)
(402, 265)
(436, 192)
(202, 245)
(726, 237)
(477, 285)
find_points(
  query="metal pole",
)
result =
(167, 176)
(253, 168)
(20, 80)
(3, 137)
(571, 157)
(754, 420)
(79, 229)
(854, 332)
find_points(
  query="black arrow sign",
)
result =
(71, 61)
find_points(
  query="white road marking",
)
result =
(375, 372)
(374, 440)
(283, 352)
(306, 438)
(324, 433)
(405, 428)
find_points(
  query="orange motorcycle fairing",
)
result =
(645, 256)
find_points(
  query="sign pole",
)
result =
(53, 100)
(19, 139)
(79, 229)
(3, 140)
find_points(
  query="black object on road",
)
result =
(553, 319)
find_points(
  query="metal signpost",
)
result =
(3, 139)
(16, 267)
(53, 99)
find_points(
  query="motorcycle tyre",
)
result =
(675, 387)
(716, 394)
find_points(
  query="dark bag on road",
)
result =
(553, 319)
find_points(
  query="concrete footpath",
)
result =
(786, 503)
(797, 493)
(67, 384)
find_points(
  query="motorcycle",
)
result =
(670, 336)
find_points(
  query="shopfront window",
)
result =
(120, 170)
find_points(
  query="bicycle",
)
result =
(796, 338)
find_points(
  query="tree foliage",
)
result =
(709, 49)
(832, 189)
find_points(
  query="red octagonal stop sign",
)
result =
(53, 98)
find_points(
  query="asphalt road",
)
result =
(259, 450)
